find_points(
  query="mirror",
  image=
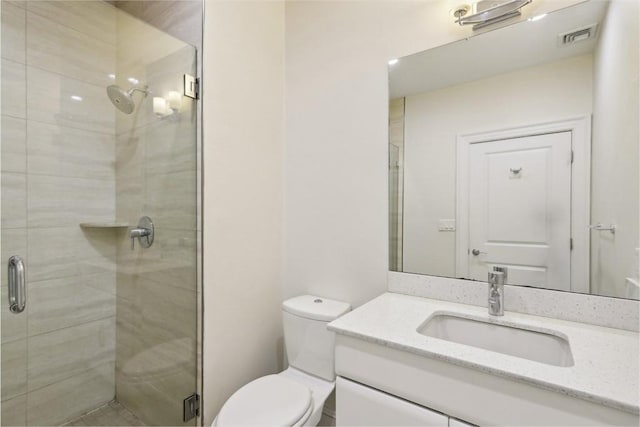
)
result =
(518, 147)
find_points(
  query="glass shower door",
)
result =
(108, 333)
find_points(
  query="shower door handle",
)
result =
(16, 280)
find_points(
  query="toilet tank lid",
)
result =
(316, 308)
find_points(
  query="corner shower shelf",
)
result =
(104, 225)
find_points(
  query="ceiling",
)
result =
(510, 48)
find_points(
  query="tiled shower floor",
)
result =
(111, 414)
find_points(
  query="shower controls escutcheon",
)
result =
(144, 232)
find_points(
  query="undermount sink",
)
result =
(514, 341)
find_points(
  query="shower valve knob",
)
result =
(144, 232)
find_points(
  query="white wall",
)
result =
(243, 150)
(334, 160)
(336, 241)
(615, 150)
(434, 119)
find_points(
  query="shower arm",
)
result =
(146, 90)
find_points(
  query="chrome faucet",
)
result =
(497, 279)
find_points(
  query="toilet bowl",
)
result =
(290, 398)
(296, 396)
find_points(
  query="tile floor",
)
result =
(114, 414)
(327, 421)
(111, 414)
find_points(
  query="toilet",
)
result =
(296, 396)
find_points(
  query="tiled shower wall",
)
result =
(58, 170)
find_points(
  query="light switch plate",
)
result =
(446, 225)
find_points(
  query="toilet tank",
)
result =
(310, 346)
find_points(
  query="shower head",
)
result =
(123, 99)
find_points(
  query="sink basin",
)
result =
(515, 341)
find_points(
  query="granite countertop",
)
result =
(605, 369)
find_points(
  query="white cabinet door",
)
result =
(358, 405)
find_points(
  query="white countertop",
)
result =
(606, 360)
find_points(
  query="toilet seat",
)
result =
(267, 401)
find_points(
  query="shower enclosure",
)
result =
(99, 209)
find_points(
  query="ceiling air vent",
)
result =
(578, 35)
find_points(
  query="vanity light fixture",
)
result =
(487, 12)
(167, 106)
(537, 17)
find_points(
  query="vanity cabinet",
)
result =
(380, 385)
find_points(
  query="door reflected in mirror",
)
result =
(519, 148)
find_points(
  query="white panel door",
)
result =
(520, 209)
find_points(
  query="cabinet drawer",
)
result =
(358, 405)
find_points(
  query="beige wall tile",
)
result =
(69, 251)
(67, 399)
(132, 34)
(60, 49)
(96, 19)
(60, 303)
(64, 151)
(170, 146)
(180, 19)
(14, 145)
(128, 329)
(18, 3)
(61, 354)
(14, 411)
(13, 32)
(130, 177)
(54, 201)
(170, 199)
(49, 100)
(14, 203)
(14, 369)
(130, 199)
(170, 260)
(14, 326)
(159, 313)
(13, 89)
(130, 151)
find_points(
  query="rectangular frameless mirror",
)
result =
(518, 147)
